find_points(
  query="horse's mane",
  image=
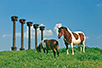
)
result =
(65, 29)
(43, 40)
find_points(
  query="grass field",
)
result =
(32, 59)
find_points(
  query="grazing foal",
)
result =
(49, 45)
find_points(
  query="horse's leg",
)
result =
(54, 53)
(80, 47)
(83, 46)
(47, 51)
(44, 50)
(57, 51)
(72, 48)
(67, 48)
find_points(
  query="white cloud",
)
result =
(57, 26)
(98, 5)
(87, 37)
(18, 34)
(26, 33)
(9, 35)
(42, 25)
(6, 35)
(99, 37)
(46, 32)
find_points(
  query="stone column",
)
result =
(22, 21)
(35, 26)
(14, 19)
(42, 29)
(29, 24)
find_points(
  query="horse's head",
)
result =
(60, 32)
(39, 47)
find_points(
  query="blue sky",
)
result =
(81, 15)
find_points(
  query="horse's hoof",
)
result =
(83, 51)
(68, 54)
(47, 53)
(72, 53)
(54, 58)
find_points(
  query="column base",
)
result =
(22, 49)
(14, 48)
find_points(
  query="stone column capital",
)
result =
(29, 24)
(42, 28)
(14, 18)
(22, 21)
(35, 26)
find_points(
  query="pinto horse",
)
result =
(49, 45)
(72, 38)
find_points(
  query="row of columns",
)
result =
(29, 24)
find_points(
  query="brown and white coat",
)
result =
(72, 38)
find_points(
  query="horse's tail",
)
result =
(56, 45)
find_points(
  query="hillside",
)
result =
(32, 59)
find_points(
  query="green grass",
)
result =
(32, 59)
